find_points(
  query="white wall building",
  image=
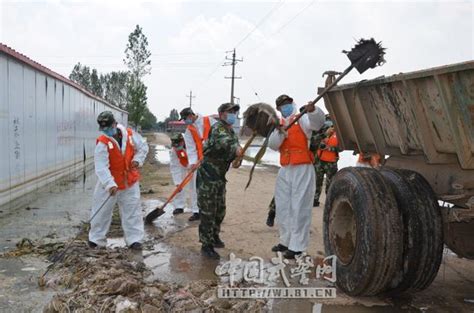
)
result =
(47, 124)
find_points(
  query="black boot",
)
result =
(194, 217)
(271, 218)
(279, 247)
(218, 243)
(178, 211)
(290, 254)
(209, 252)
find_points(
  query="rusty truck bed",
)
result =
(427, 116)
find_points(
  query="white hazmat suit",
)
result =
(178, 172)
(295, 188)
(193, 156)
(128, 199)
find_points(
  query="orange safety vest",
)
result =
(120, 165)
(372, 159)
(326, 155)
(294, 149)
(182, 156)
(197, 138)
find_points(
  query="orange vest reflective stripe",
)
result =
(326, 155)
(120, 165)
(182, 156)
(197, 138)
(294, 149)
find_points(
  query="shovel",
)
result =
(150, 217)
(238, 161)
(365, 54)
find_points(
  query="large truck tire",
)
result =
(414, 228)
(362, 228)
(422, 219)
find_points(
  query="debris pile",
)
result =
(113, 280)
(28, 246)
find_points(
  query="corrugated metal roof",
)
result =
(26, 60)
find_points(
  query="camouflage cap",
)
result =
(283, 99)
(105, 119)
(176, 138)
(228, 107)
(185, 113)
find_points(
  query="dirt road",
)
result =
(245, 234)
(171, 254)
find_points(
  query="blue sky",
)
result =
(286, 52)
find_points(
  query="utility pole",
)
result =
(233, 63)
(190, 98)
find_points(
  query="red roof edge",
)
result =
(24, 59)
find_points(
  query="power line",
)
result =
(121, 56)
(293, 18)
(273, 10)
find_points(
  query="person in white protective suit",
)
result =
(118, 154)
(179, 169)
(195, 135)
(295, 184)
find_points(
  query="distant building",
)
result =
(176, 127)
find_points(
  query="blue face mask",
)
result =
(111, 131)
(188, 121)
(231, 118)
(179, 148)
(287, 109)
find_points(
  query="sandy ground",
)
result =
(173, 247)
(246, 234)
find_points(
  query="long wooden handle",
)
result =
(183, 184)
(238, 161)
(322, 94)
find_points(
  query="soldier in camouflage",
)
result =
(328, 155)
(315, 141)
(220, 150)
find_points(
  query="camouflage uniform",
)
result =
(219, 151)
(316, 138)
(321, 168)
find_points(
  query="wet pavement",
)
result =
(55, 215)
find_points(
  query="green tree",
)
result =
(115, 85)
(149, 120)
(137, 59)
(137, 55)
(174, 115)
(95, 84)
(81, 74)
(137, 101)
